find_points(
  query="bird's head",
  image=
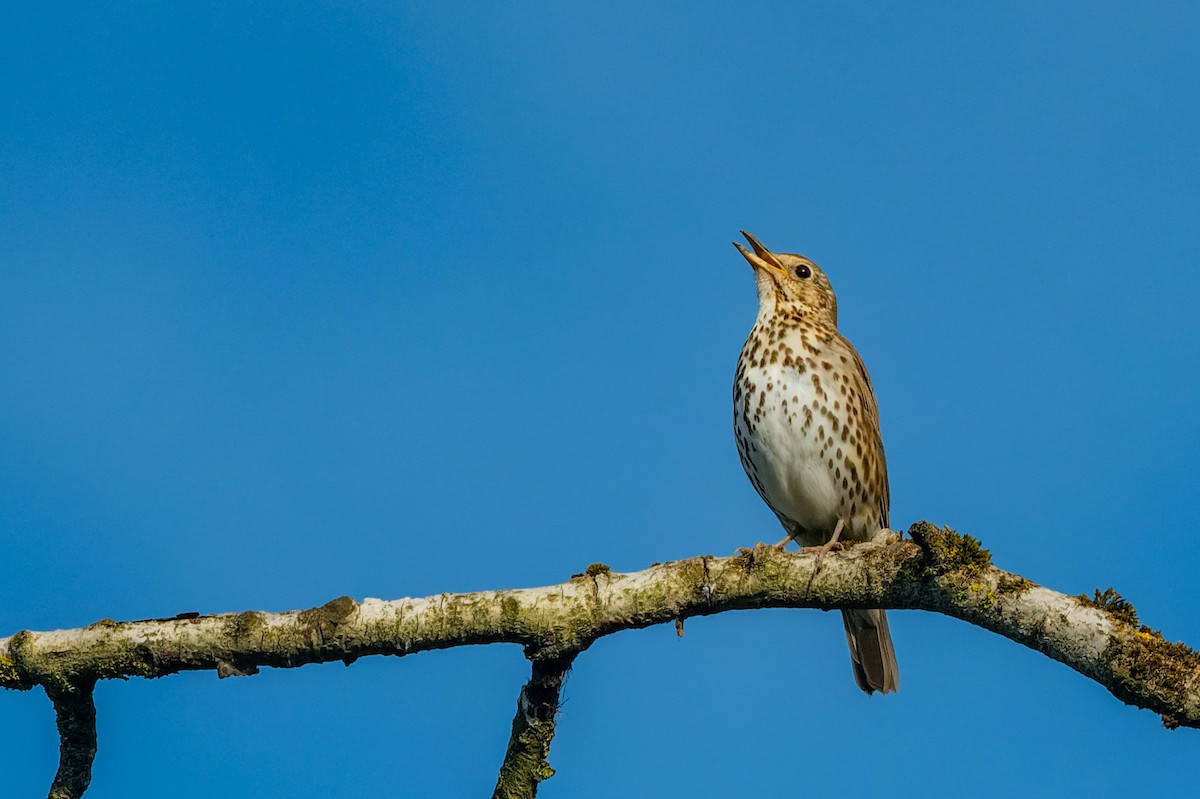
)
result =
(790, 284)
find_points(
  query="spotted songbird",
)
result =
(807, 431)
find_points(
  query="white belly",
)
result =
(780, 432)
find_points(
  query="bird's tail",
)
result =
(871, 651)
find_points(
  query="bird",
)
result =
(806, 424)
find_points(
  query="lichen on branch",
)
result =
(934, 570)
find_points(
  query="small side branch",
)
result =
(75, 713)
(527, 760)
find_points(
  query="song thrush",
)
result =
(807, 430)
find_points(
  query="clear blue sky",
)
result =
(306, 300)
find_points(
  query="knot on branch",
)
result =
(946, 551)
(228, 669)
(325, 620)
(13, 671)
(332, 613)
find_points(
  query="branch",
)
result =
(75, 714)
(938, 570)
(526, 763)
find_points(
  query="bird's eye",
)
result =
(802, 271)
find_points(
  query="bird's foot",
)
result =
(750, 552)
(821, 552)
(760, 548)
(832, 545)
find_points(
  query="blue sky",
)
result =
(309, 300)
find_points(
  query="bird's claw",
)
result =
(822, 552)
(758, 549)
(834, 543)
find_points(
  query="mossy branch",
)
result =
(938, 570)
(527, 760)
(75, 714)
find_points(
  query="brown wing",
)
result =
(875, 471)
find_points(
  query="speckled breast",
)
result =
(800, 402)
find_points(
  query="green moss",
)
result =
(526, 763)
(1113, 604)
(1122, 610)
(946, 550)
(968, 554)
(248, 624)
(694, 572)
(332, 613)
(102, 624)
(20, 646)
(1179, 650)
(989, 600)
(452, 616)
(1147, 667)
(9, 676)
(1012, 584)
(134, 661)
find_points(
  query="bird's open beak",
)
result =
(761, 258)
